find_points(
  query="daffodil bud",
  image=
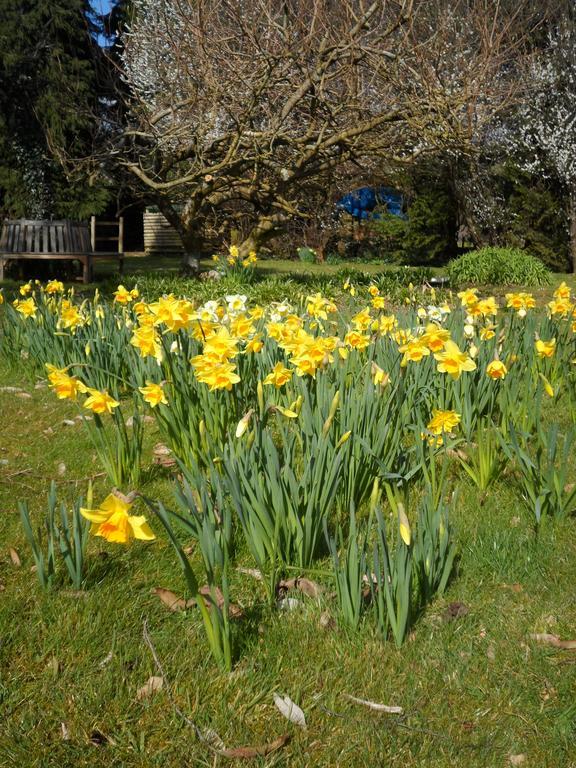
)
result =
(296, 406)
(343, 439)
(375, 495)
(260, 395)
(286, 412)
(332, 413)
(243, 423)
(405, 532)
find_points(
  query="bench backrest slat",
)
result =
(44, 237)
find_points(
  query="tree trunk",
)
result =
(193, 243)
(186, 224)
(572, 219)
(265, 229)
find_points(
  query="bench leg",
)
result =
(86, 271)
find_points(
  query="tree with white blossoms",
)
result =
(542, 134)
(249, 114)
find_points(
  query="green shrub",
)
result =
(307, 255)
(498, 266)
(427, 236)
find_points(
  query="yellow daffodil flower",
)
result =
(453, 361)
(153, 394)
(100, 402)
(112, 522)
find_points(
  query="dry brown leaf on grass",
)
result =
(234, 611)
(455, 610)
(175, 603)
(162, 455)
(374, 705)
(153, 684)
(516, 759)
(304, 585)
(248, 753)
(14, 557)
(170, 600)
(554, 640)
(290, 710)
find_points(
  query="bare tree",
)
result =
(250, 113)
(541, 134)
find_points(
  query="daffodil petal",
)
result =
(140, 528)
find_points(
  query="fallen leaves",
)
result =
(516, 759)
(302, 584)
(548, 639)
(455, 611)
(162, 456)
(389, 710)
(290, 710)
(248, 753)
(14, 557)
(175, 603)
(234, 611)
(153, 684)
(170, 599)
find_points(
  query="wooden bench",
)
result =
(24, 239)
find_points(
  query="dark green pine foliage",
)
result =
(49, 60)
(537, 216)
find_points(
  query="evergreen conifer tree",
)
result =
(48, 91)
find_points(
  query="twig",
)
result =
(15, 474)
(167, 687)
(230, 754)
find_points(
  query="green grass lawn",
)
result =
(475, 688)
(275, 279)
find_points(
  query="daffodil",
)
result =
(153, 394)
(26, 307)
(65, 386)
(217, 375)
(147, 341)
(379, 376)
(122, 295)
(279, 376)
(112, 522)
(443, 421)
(357, 340)
(54, 286)
(413, 351)
(100, 402)
(496, 369)
(545, 348)
(453, 361)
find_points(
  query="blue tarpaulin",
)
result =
(361, 202)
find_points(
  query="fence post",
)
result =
(121, 234)
(93, 233)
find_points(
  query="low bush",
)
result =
(498, 266)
